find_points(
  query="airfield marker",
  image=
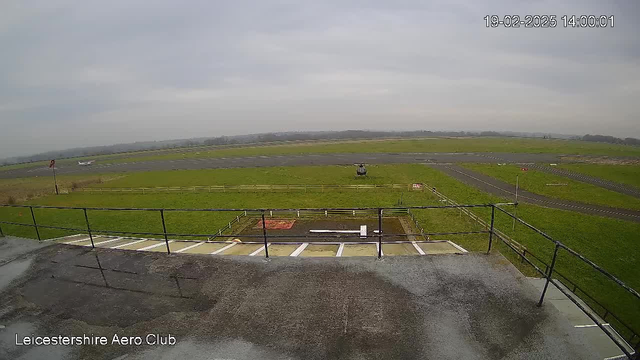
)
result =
(107, 241)
(189, 247)
(223, 249)
(154, 246)
(127, 244)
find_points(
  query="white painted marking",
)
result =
(340, 249)
(127, 244)
(623, 356)
(156, 245)
(363, 231)
(589, 325)
(259, 250)
(378, 249)
(299, 250)
(75, 241)
(223, 249)
(104, 242)
(420, 251)
(189, 247)
(457, 247)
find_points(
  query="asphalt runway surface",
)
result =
(472, 306)
(503, 189)
(285, 160)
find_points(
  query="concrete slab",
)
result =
(315, 250)
(399, 249)
(438, 248)
(140, 245)
(206, 248)
(241, 249)
(281, 250)
(359, 250)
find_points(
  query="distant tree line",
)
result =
(611, 139)
(287, 136)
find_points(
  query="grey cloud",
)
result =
(77, 73)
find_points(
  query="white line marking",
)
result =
(590, 325)
(259, 250)
(418, 248)
(340, 249)
(623, 356)
(378, 249)
(75, 241)
(104, 242)
(189, 247)
(457, 247)
(127, 244)
(223, 249)
(155, 245)
(299, 250)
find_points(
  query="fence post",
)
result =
(493, 216)
(264, 234)
(33, 216)
(164, 229)
(1, 233)
(553, 264)
(379, 233)
(86, 218)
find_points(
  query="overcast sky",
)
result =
(84, 73)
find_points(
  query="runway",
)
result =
(285, 160)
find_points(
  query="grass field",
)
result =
(606, 241)
(536, 182)
(624, 174)
(523, 145)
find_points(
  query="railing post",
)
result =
(86, 218)
(1, 233)
(493, 216)
(553, 264)
(164, 229)
(33, 216)
(379, 233)
(264, 234)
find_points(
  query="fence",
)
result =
(548, 273)
(238, 188)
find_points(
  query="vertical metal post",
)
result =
(33, 216)
(553, 264)
(379, 233)
(1, 233)
(264, 234)
(164, 229)
(493, 216)
(86, 218)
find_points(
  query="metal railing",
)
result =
(378, 212)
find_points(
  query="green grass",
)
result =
(624, 174)
(378, 174)
(401, 146)
(536, 182)
(608, 242)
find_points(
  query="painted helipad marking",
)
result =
(340, 249)
(189, 247)
(590, 325)
(154, 245)
(299, 250)
(259, 250)
(75, 241)
(127, 244)
(457, 247)
(104, 242)
(417, 248)
(223, 249)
